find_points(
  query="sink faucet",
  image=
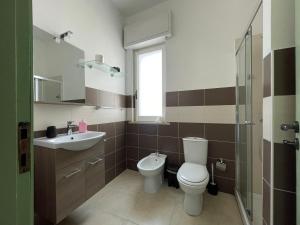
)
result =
(70, 125)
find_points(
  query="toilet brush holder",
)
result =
(212, 187)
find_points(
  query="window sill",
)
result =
(149, 122)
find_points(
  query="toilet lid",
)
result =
(193, 173)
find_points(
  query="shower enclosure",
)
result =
(249, 97)
(244, 123)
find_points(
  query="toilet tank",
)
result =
(195, 150)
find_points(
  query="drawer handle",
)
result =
(72, 174)
(95, 162)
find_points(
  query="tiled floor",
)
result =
(123, 202)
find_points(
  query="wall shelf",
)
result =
(92, 64)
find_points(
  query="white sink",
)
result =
(74, 142)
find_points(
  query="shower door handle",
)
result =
(294, 126)
(249, 123)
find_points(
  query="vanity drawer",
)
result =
(64, 158)
(94, 175)
(70, 189)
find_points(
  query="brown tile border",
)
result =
(220, 96)
(284, 167)
(191, 130)
(267, 76)
(266, 202)
(284, 208)
(225, 185)
(228, 150)
(172, 99)
(198, 97)
(220, 132)
(95, 97)
(266, 160)
(284, 72)
(191, 98)
(170, 130)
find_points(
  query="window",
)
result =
(150, 81)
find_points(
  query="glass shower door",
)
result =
(244, 123)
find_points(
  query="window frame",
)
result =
(154, 119)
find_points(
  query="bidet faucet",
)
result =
(70, 125)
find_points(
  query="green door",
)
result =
(297, 14)
(16, 173)
(297, 7)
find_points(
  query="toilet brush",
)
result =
(212, 187)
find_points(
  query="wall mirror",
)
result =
(58, 77)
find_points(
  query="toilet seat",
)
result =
(192, 174)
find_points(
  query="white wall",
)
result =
(97, 27)
(201, 53)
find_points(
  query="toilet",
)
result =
(193, 176)
(152, 168)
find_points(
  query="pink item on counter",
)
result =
(82, 127)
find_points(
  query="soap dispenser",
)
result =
(82, 127)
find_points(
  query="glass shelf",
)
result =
(112, 71)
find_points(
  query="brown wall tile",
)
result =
(284, 208)
(120, 168)
(191, 130)
(120, 141)
(40, 133)
(148, 142)
(218, 149)
(267, 76)
(266, 202)
(172, 158)
(267, 160)
(110, 161)
(191, 98)
(284, 72)
(132, 140)
(170, 130)
(132, 165)
(145, 152)
(284, 167)
(132, 153)
(110, 175)
(109, 128)
(220, 132)
(220, 96)
(110, 146)
(225, 185)
(168, 144)
(171, 99)
(230, 168)
(129, 101)
(132, 128)
(120, 128)
(120, 156)
(93, 127)
(150, 129)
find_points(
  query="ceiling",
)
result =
(130, 7)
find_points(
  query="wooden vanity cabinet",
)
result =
(66, 179)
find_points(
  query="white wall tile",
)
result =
(284, 112)
(267, 118)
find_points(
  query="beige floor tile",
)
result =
(151, 209)
(92, 218)
(123, 202)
